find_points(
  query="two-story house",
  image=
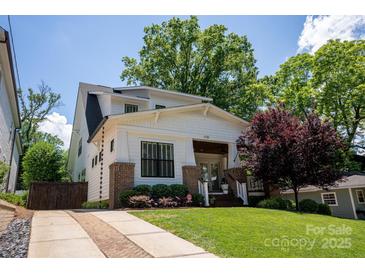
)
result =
(10, 145)
(127, 136)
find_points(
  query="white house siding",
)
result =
(6, 122)
(14, 170)
(171, 101)
(93, 173)
(179, 129)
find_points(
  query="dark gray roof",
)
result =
(93, 113)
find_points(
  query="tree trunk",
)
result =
(296, 199)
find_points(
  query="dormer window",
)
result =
(128, 108)
(159, 106)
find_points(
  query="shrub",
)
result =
(96, 204)
(19, 200)
(290, 204)
(198, 199)
(42, 162)
(143, 190)
(273, 203)
(254, 200)
(167, 202)
(324, 209)
(178, 190)
(308, 206)
(125, 195)
(160, 190)
(140, 201)
(4, 168)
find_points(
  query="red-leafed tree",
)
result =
(280, 149)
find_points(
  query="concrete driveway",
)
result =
(99, 234)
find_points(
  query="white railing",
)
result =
(254, 185)
(203, 190)
(242, 192)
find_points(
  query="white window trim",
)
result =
(357, 196)
(334, 193)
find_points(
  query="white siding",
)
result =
(6, 122)
(14, 170)
(171, 101)
(93, 174)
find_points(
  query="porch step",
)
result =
(226, 200)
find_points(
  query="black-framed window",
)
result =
(112, 145)
(92, 162)
(96, 160)
(80, 148)
(159, 106)
(157, 160)
(130, 108)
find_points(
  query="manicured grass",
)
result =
(254, 232)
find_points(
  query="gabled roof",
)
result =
(205, 106)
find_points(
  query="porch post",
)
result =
(206, 195)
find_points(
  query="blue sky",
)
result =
(66, 50)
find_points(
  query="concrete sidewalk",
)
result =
(55, 234)
(154, 240)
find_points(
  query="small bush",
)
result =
(125, 195)
(178, 190)
(324, 209)
(308, 206)
(96, 204)
(254, 200)
(160, 190)
(167, 202)
(290, 204)
(140, 201)
(143, 190)
(274, 203)
(19, 200)
(198, 199)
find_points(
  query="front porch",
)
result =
(221, 177)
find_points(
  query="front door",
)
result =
(210, 171)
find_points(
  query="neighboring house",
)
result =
(123, 137)
(10, 145)
(346, 198)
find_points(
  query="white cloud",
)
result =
(56, 124)
(318, 30)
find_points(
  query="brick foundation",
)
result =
(191, 175)
(121, 177)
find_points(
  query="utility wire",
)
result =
(13, 48)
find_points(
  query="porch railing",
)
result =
(254, 185)
(242, 192)
(203, 190)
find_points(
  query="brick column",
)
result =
(191, 175)
(121, 177)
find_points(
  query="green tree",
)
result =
(291, 85)
(331, 83)
(42, 162)
(65, 175)
(34, 107)
(179, 55)
(339, 77)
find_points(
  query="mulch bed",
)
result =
(14, 240)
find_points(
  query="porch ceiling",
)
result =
(209, 147)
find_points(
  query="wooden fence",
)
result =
(53, 195)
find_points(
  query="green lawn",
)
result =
(254, 232)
